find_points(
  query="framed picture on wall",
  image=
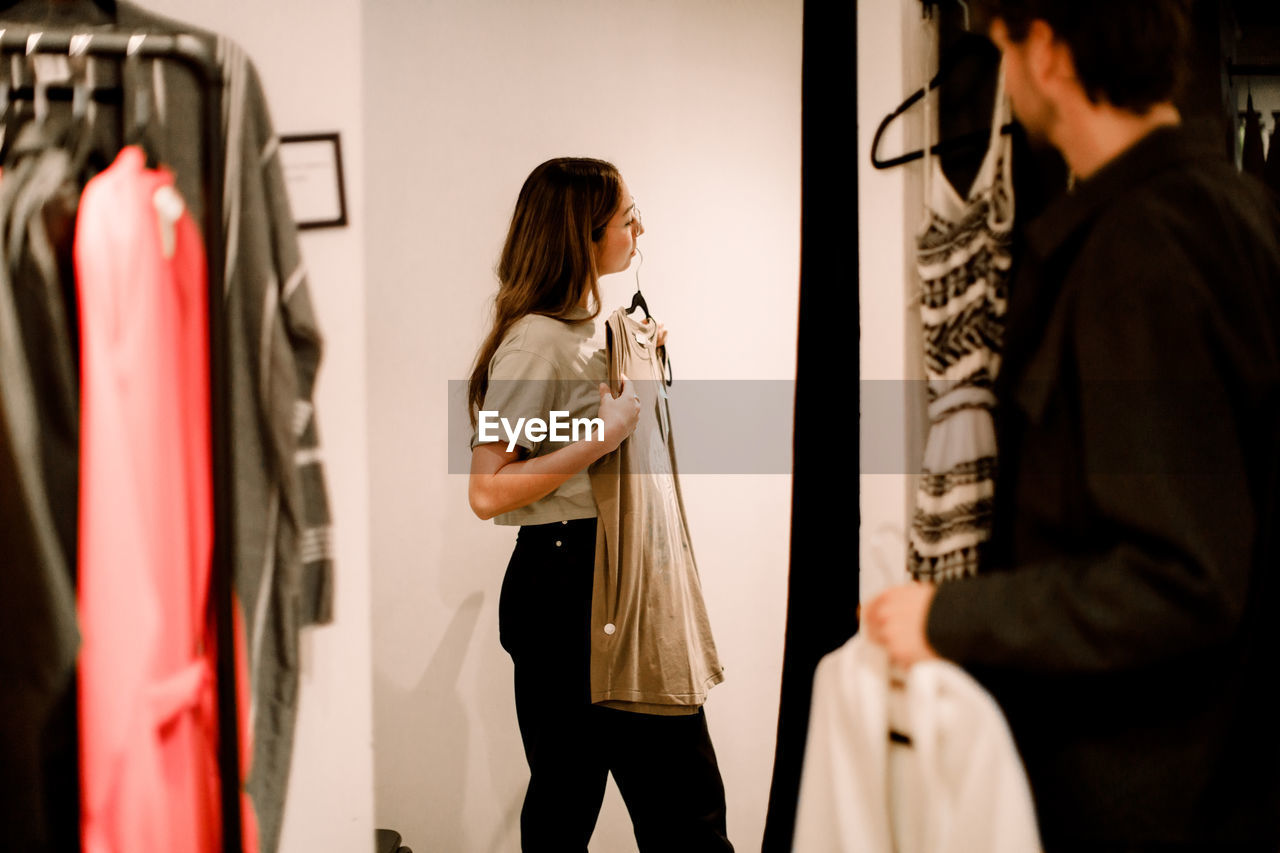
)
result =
(312, 164)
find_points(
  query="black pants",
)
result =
(665, 767)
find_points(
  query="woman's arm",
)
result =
(501, 481)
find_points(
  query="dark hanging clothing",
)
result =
(1271, 174)
(38, 452)
(1252, 159)
(41, 211)
(1130, 618)
(39, 193)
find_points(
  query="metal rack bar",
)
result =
(1266, 69)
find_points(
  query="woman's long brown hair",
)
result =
(547, 262)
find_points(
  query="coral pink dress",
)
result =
(149, 735)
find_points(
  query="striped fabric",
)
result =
(963, 260)
(284, 566)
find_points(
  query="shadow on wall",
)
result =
(508, 773)
(433, 768)
(507, 831)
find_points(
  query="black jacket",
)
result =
(1128, 624)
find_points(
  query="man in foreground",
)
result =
(1128, 619)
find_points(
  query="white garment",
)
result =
(958, 788)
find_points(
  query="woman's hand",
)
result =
(660, 337)
(620, 414)
(503, 480)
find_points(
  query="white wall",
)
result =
(698, 103)
(308, 53)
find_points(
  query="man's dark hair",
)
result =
(1130, 53)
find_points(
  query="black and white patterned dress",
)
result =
(963, 258)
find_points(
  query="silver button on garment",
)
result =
(609, 628)
(557, 543)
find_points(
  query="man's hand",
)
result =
(896, 620)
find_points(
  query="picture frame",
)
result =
(312, 165)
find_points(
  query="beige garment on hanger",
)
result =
(651, 645)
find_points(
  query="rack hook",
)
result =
(78, 57)
(80, 44)
(40, 89)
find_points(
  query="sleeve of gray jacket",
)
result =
(284, 572)
(299, 345)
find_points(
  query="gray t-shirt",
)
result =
(545, 365)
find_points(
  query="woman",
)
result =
(574, 220)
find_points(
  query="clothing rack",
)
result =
(197, 55)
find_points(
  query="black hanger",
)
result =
(140, 108)
(938, 148)
(18, 95)
(927, 6)
(8, 127)
(92, 143)
(967, 49)
(897, 685)
(637, 301)
(36, 127)
(25, 96)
